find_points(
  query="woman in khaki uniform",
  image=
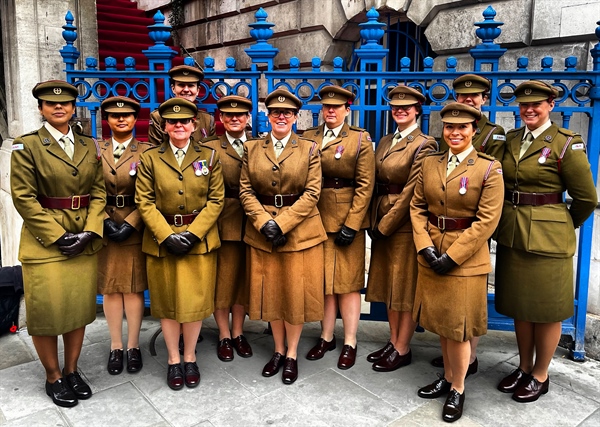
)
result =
(231, 293)
(536, 235)
(121, 264)
(179, 194)
(348, 166)
(454, 211)
(57, 188)
(279, 190)
(393, 268)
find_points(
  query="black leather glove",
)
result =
(177, 244)
(122, 233)
(345, 236)
(430, 254)
(279, 241)
(271, 230)
(377, 235)
(66, 239)
(110, 227)
(190, 237)
(443, 264)
(77, 243)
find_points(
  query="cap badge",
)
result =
(120, 104)
(57, 91)
(331, 94)
(185, 72)
(468, 83)
(233, 104)
(527, 91)
(401, 95)
(176, 108)
(281, 99)
(455, 113)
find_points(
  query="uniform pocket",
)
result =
(549, 231)
(344, 196)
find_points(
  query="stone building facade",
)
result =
(31, 39)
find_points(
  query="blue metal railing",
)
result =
(579, 89)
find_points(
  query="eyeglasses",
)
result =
(286, 113)
(404, 108)
(234, 114)
(182, 121)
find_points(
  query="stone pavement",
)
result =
(235, 393)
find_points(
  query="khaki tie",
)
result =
(179, 155)
(278, 148)
(327, 138)
(238, 147)
(452, 164)
(67, 146)
(397, 137)
(118, 152)
(525, 144)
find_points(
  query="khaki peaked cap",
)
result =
(177, 108)
(282, 98)
(471, 83)
(335, 95)
(120, 104)
(404, 95)
(55, 91)
(234, 104)
(535, 91)
(186, 73)
(456, 112)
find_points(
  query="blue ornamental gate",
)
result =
(579, 95)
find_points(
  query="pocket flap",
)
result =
(549, 214)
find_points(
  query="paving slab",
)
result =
(14, 351)
(430, 415)
(47, 418)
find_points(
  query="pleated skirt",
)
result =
(344, 265)
(121, 269)
(231, 285)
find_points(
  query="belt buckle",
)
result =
(443, 224)
(280, 204)
(178, 220)
(122, 199)
(336, 183)
(75, 202)
(515, 202)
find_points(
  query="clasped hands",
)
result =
(273, 233)
(440, 264)
(71, 244)
(181, 243)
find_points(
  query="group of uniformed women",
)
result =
(288, 215)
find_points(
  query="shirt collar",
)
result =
(407, 131)
(537, 132)
(336, 130)
(283, 140)
(231, 138)
(56, 134)
(116, 144)
(461, 156)
(184, 148)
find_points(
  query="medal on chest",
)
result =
(200, 168)
(544, 155)
(339, 151)
(464, 184)
(133, 168)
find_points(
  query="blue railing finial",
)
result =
(371, 30)
(69, 52)
(487, 52)
(595, 51)
(262, 51)
(159, 32)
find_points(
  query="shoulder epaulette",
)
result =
(356, 128)
(486, 156)
(514, 130)
(436, 153)
(429, 137)
(312, 128)
(146, 143)
(567, 132)
(305, 139)
(210, 138)
(33, 132)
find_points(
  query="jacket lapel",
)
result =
(289, 148)
(269, 149)
(52, 146)
(540, 142)
(463, 166)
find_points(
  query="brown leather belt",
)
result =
(337, 182)
(73, 202)
(120, 200)
(278, 200)
(180, 220)
(232, 193)
(447, 223)
(533, 199)
(383, 189)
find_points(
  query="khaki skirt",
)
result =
(344, 265)
(60, 296)
(231, 285)
(182, 288)
(121, 269)
(454, 307)
(286, 285)
(393, 272)
(533, 288)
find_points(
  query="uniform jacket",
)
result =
(40, 167)
(346, 206)
(436, 194)
(119, 182)
(401, 166)
(297, 171)
(489, 139)
(205, 126)
(232, 220)
(163, 187)
(548, 229)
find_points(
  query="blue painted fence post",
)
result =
(69, 52)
